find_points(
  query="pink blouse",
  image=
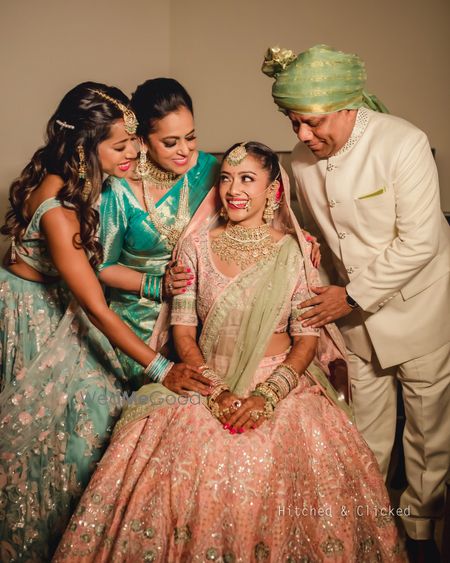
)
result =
(209, 282)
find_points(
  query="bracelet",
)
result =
(151, 287)
(158, 368)
(266, 392)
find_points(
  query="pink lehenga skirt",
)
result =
(176, 486)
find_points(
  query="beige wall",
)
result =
(47, 47)
(215, 48)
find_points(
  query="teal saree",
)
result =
(131, 239)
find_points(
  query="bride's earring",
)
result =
(270, 206)
(223, 214)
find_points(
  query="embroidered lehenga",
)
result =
(130, 238)
(60, 382)
(175, 486)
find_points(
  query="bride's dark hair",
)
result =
(267, 157)
(83, 118)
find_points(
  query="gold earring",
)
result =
(143, 166)
(223, 214)
(82, 170)
(271, 205)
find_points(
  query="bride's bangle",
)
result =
(158, 368)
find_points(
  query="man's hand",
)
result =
(329, 304)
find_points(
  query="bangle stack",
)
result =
(151, 287)
(158, 368)
(219, 386)
(276, 387)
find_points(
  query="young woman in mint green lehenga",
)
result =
(60, 377)
(142, 219)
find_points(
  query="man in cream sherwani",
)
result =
(368, 181)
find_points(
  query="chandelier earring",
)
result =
(271, 206)
(223, 214)
(143, 166)
(82, 171)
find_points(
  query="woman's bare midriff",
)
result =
(26, 272)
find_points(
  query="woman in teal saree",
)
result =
(142, 218)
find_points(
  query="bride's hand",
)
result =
(249, 416)
(184, 379)
(228, 403)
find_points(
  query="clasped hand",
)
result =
(239, 419)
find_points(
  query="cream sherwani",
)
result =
(376, 204)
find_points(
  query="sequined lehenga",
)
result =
(175, 486)
(60, 381)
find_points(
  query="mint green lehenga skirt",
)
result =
(60, 396)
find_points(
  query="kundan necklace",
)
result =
(162, 179)
(171, 232)
(244, 245)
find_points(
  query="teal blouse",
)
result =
(130, 238)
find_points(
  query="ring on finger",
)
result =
(170, 286)
(237, 404)
(256, 415)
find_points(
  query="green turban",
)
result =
(320, 80)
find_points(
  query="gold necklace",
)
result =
(173, 231)
(162, 179)
(244, 245)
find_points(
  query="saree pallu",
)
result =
(175, 486)
(131, 239)
(60, 399)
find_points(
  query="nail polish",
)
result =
(226, 426)
(233, 430)
(241, 430)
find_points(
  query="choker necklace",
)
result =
(244, 245)
(171, 232)
(162, 179)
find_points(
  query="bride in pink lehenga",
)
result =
(270, 466)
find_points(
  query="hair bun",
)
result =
(276, 60)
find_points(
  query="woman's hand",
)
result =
(185, 379)
(176, 278)
(228, 403)
(315, 248)
(248, 416)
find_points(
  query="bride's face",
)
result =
(244, 190)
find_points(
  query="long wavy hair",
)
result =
(82, 118)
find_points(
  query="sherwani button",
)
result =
(332, 203)
(342, 235)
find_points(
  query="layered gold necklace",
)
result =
(244, 245)
(162, 179)
(171, 232)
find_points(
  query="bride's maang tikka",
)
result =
(237, 155)
(131, 123)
